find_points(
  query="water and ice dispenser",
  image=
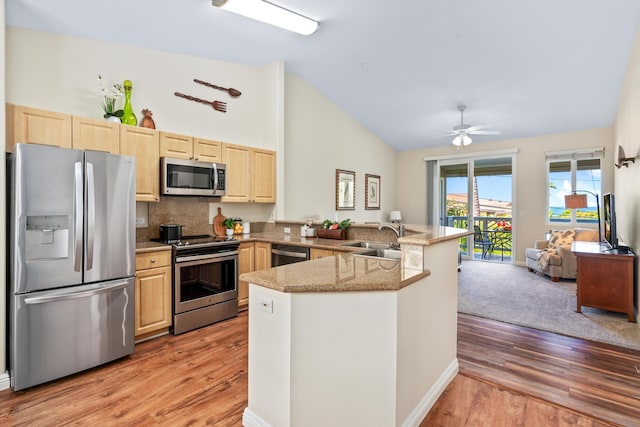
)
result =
(47, 237)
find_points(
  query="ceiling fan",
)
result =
(463, 131)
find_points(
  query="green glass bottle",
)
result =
(128, 118)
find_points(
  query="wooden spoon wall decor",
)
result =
(234, 93)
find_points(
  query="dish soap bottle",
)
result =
(128, 118)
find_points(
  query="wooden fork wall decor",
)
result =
(217, 105)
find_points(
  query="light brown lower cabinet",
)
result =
(153, 293)
(320, 253)
(246, 264)
(252, 256)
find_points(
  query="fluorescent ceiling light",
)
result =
(270, 14)
(461, 140)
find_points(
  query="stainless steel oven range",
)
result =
(205, 270)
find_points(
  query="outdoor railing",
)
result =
(498, 226)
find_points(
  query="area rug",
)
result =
(512, 294)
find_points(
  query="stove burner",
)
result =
(200, 239)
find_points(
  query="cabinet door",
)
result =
(263, 256)
(263, 176)
(237, 159)
(176, 146)
(246, 264)
(153, 300)
(33, 126)
(99, 135)
(205, 150)
(320, 253)
(144, 145)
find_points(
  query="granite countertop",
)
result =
(428, 235)
(296, 240)
(151, 247)
(343, 272)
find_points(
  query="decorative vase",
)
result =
(229, 232)
(112, 119)
(147, 121)
(128, 118)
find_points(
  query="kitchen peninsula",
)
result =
(354, 340)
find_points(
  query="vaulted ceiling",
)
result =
(399, 67)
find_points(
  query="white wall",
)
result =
(530, 178)
(59, 73)
(627, 135)
(321, 138)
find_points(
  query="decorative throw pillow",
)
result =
(561, 238)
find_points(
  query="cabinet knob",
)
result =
(153, 260)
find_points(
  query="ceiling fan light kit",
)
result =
(269, 13)
(463, 131)
(461, 140)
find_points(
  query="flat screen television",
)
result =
(609, 214)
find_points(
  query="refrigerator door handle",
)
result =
(74, 295)
(91, 215)
(215, 178)
(77, 199)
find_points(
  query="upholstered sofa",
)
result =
(557, 259)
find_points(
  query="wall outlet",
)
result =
(287, 229)
(141, 222)
(265, 305)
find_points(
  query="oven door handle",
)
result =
(223, 256)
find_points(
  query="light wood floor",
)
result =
(200, 378)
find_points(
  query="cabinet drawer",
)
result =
(153, 259)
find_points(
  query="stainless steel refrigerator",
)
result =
(71, 261)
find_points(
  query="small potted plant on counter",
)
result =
(228, 223)
(333, 229)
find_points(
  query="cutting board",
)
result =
(218, 228)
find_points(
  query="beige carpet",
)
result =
(514, 295)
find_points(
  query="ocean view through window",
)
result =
(566, 176)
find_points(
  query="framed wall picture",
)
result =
(345, 190)
(372, 192)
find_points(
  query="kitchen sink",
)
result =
(382, 253)
(371, 245)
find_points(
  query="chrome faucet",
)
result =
(399, 231)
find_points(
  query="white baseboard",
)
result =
(5, 381)
(426, 403)
(250, 419)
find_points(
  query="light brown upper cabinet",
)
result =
(144, 145)
(93, 134)
(176, 146)
(263, 183)
(251, 174)
(34, 126)
(187, 147)
(205, 150)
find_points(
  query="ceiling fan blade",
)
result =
(477, 127)
(486, 132)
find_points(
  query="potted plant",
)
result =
(228, 223)
(333, 229)
(110, 95)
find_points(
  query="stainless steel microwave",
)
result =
(181, 177)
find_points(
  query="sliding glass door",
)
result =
(477, 195)
(454, 199)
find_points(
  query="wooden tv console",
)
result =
(606, 278)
